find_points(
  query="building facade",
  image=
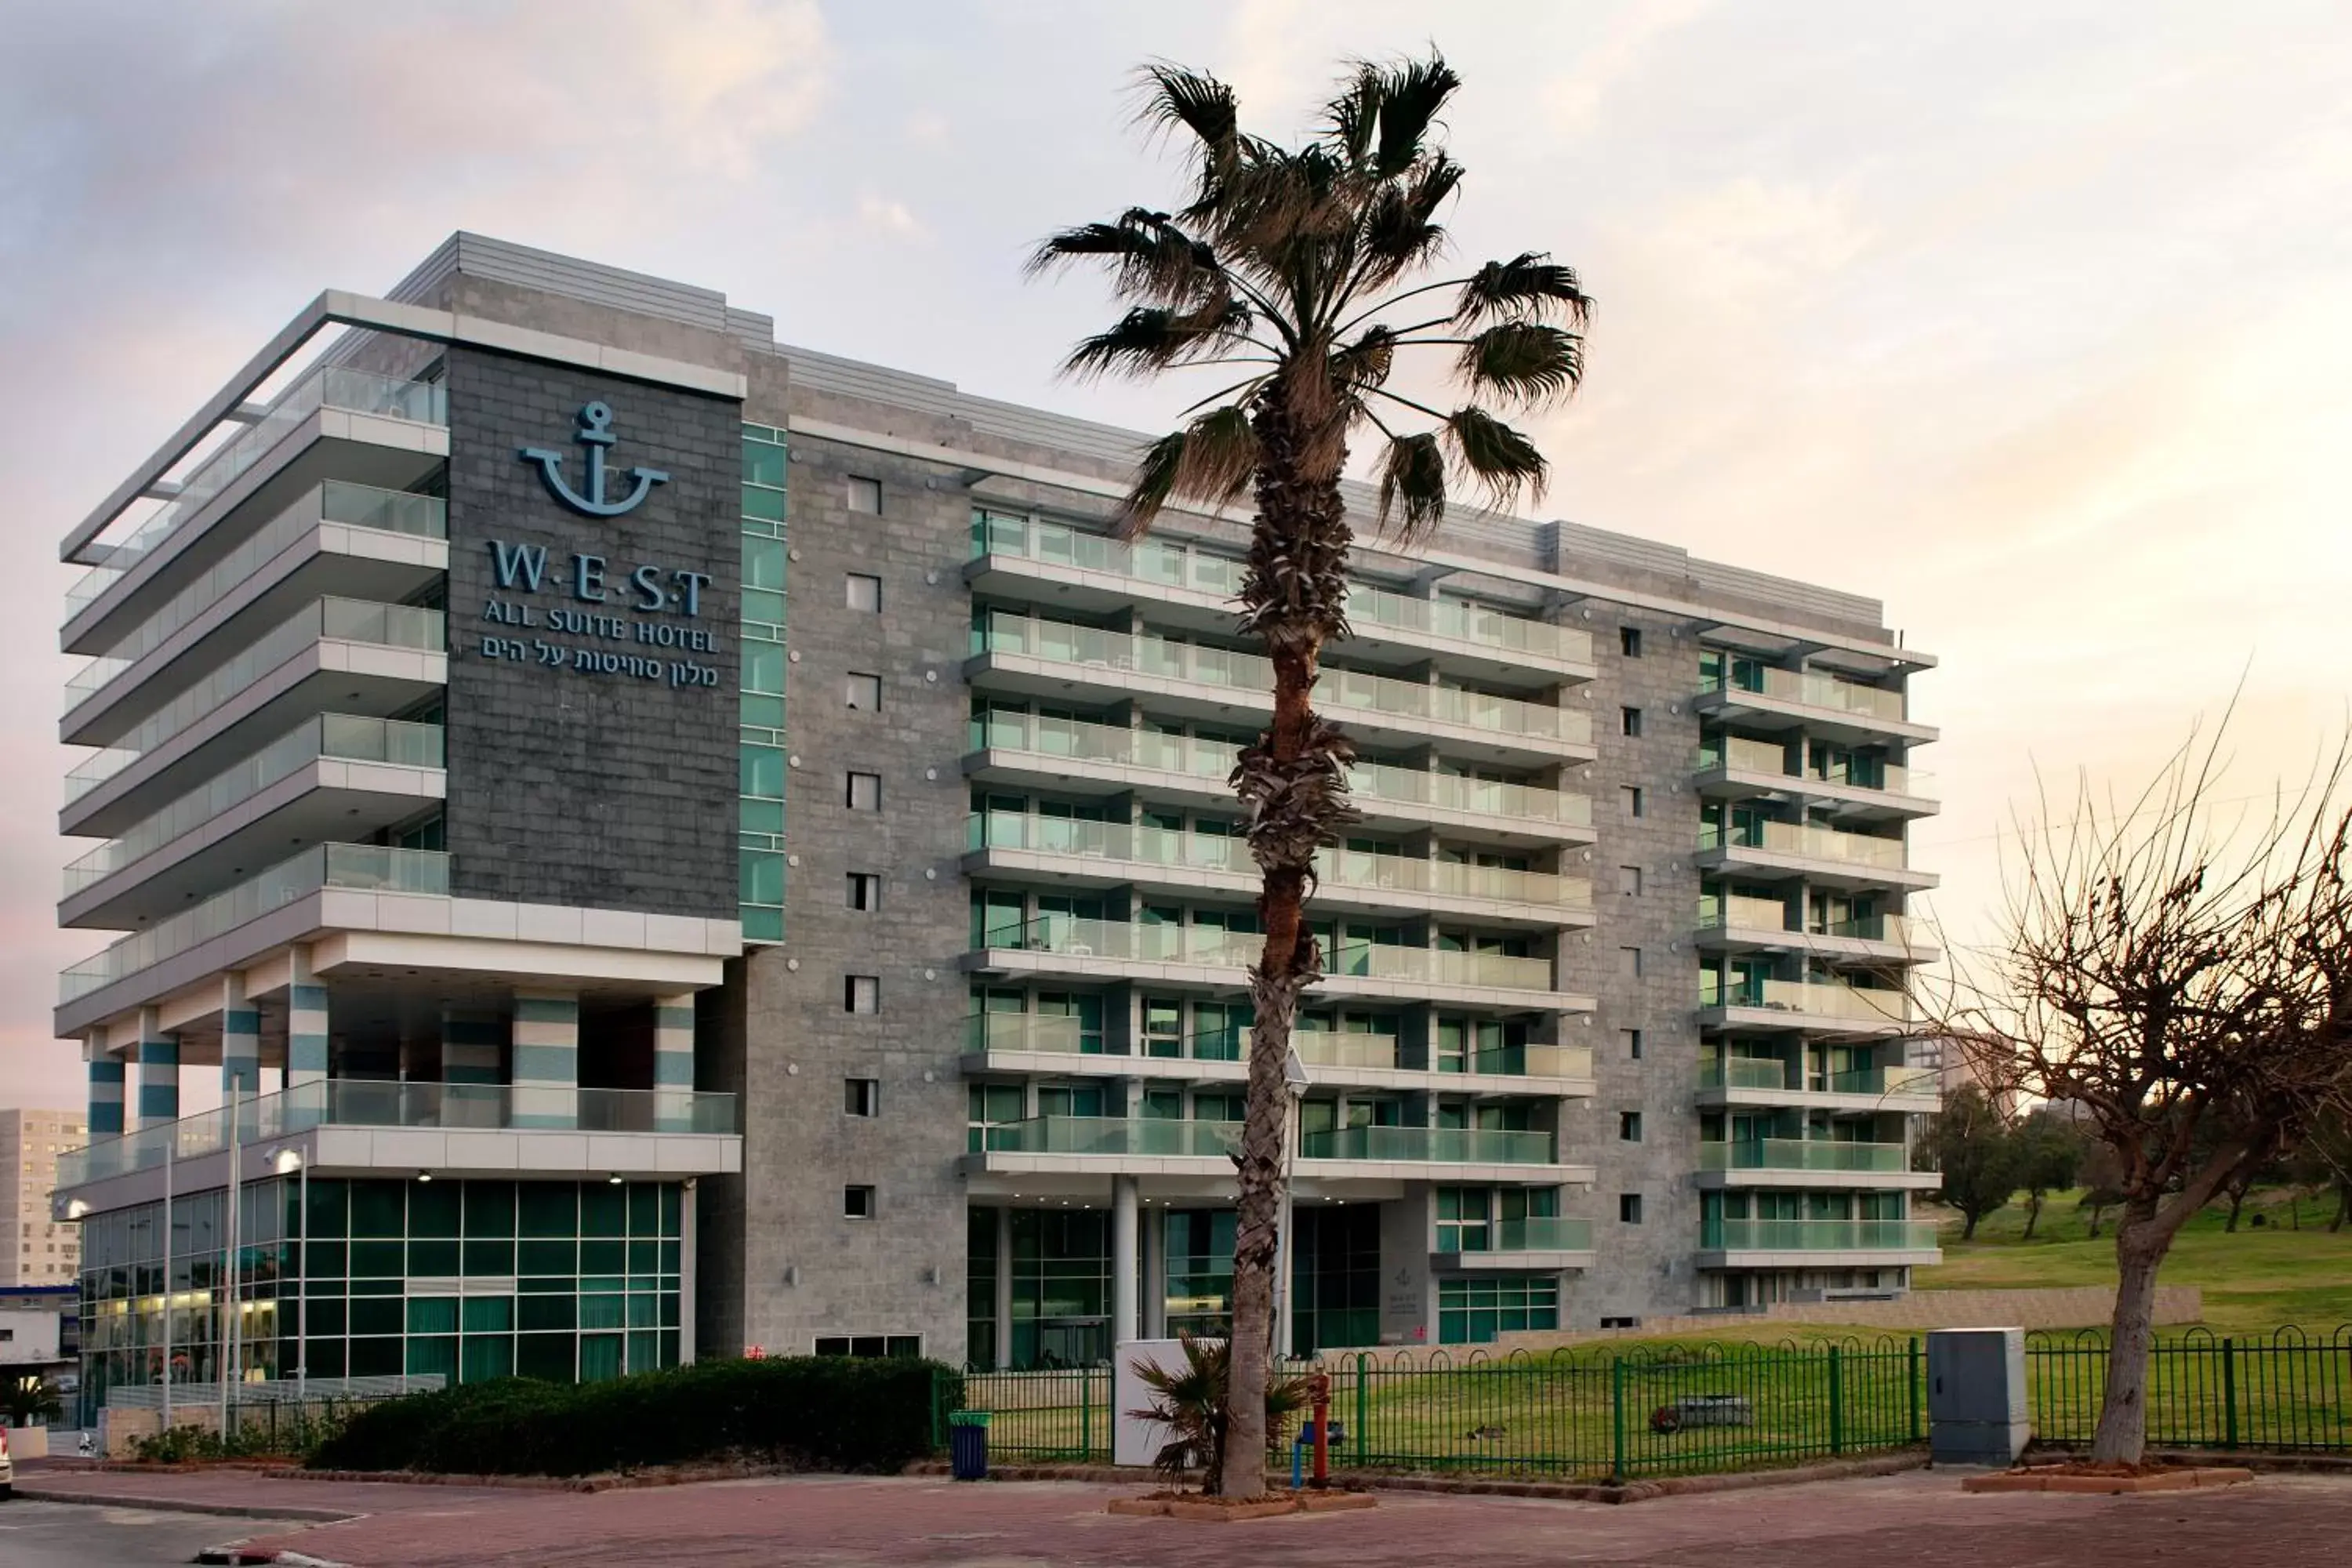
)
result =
(610, 968)
(41, 1252)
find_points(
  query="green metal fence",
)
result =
(2290, 1390)
(1054, 1415)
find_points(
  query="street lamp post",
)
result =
(1295, 1079)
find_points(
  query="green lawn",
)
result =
(2262, 1278)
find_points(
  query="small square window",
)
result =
(857, 1202)
(1630, 795)
(1628, 1127)
(1629, 962)
(865, 496)
(864, 891)
(863, 693)
(1632, 1038)
(865, 792)
(1628, 880)
(1629, 641)
(1629, 1208)
(861, 1097)
(861, 994)
(1629, 720)
(864, 592)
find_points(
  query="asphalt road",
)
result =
(77, 1535)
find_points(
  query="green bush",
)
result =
(822, 1413)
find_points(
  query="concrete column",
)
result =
(1125, 1266)
(1155, 1275)
(306, 1025)
(240, 1039)
(1003, 1287)
(674, 1063)
(106, 1079)
(473, 1049)
(159, 1072)
(546, 1054)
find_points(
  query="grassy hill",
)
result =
(2267, 1275)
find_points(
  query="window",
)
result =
(1629, 1208)
(865, 496)
(1628, 1127)
(857, 1202)
(864, 592)
(871, 1346)
(1629, 641)
(864, 793)
(1629, 962)
(863, 692)
(1628, 881)
(861, 994)
(861, 1097)
(1629, 720)
(1630, 795)
(1632, 1038)
(864, 891)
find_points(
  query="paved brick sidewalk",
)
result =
(1912, 1520)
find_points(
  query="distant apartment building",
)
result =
(41, 1250)
(615, 969)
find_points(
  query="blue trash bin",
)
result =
(968, 1444)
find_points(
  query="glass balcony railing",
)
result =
(1733, 911)
(329, 386)
(1213, 947)
(1900, 930)
(355, 1103)
(1114, 1136)
(1430, 1145)
(1053, 1034)
(1059, 739)
(1906, 1080)
(364, 867)
(1801, 1154)
(1812, 689)
(356, 506)
(1172, 564)
(347, 620)
(1536, 1233)
(1817, 1235)
(1808, 841)
(1744, 1072)
(1771, 1073)
(1739, 754)
(1817, 998)
(1139, 844)
(1340, 691)
(336, 735)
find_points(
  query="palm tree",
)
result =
(1303, 267)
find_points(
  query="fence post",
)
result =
(2229, 1392)
(1837, 1401)
(1086, 1414)
(1617, 1419)
(1913, 1363)
(1363, 1406)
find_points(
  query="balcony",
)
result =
(340, 538)
(1768, 1080)
(1812, 1005)
(1824, 856)
(1021, 749)
(1822, 705)
(1428, 1145)
(1733, 922)
(366, 1103)
(350, 654)
(1535, 1243)
(1113, 853)
(343, 423)
(1814, 1155)
(1736, 767)
(1204, 957)
(1017, 1042)
(1810, 1238)
(1050, 659)
(333, 775)
(365, 867)
(1014, 554)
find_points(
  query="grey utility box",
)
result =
(1977, 1412)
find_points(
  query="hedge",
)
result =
(819, 1412)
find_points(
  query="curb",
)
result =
(236, 1556)
(188, 1505)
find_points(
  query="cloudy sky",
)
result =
(2030, 319)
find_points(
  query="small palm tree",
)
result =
(1305, 266)
(25, 1400)
(1190, 1401)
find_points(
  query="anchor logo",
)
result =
(595, 433)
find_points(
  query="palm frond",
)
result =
(1530, 284)
(1498, 458)
(1149, 257)
(1212, 459)
(1412, 486)
(1525, 360)
(1400, 231)
(1149, 338)
(1173, 99)
(1365, 363)
(1352, 118)
(1411, 94)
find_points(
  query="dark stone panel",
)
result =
(612, 789)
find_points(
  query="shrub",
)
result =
(823, 1413)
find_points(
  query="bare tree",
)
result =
(2184, 981)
